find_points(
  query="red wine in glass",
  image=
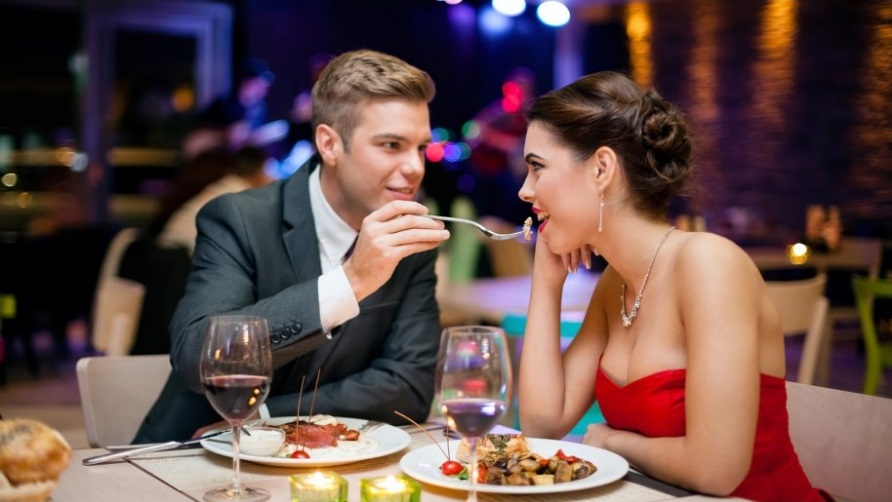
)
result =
(236, 369)
(236, 397)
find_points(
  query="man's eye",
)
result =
(392, 145)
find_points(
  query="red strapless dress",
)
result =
(654, 406)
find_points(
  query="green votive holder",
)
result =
(320, 486)
(390, 489)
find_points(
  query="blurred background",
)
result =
(790, 103)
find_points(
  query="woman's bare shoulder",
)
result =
(711, 250)
(707, 258)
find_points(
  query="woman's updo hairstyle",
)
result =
(647, 133)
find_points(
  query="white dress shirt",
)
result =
(337, 303)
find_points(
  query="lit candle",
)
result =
(320, 486)
(390, 489)
(798, 253)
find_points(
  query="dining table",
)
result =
(186, 474)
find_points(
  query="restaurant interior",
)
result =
(790, 103)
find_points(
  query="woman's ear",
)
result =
(328, 144)
(605, 166)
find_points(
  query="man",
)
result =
(368, 325)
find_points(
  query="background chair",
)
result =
(464, 246)
(843, 439)
(116, 394)
(878, 353)
(803, 309)
(163, 271)
(514, 325)
(509, 258)
(117, 304)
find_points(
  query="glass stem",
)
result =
(235, 488)
(472, 472)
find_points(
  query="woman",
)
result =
(680, 344)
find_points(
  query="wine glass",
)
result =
(236, 369)
(473, 384)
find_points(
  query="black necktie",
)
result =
(350, 250)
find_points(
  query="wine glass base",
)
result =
(245, 494)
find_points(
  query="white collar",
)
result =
(334, 234)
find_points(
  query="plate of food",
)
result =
(323, 440)
(538, 465)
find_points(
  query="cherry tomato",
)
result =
(481, 473)
(566, 458)
(300, 454)
(451, 468)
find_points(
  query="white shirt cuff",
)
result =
(337, 304)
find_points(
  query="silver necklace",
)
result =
(627, 319)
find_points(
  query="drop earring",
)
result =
(601, 214)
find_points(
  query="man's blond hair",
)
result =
(360, 75)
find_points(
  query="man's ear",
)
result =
(328, 144)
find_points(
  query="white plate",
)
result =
(424, 463)
(386, 439)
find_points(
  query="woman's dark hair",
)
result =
(647, 133)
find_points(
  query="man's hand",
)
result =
(388, 235)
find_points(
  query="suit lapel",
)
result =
(299, 237)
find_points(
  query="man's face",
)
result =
(384, 159)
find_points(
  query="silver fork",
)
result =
(369, 426)
(489, 233)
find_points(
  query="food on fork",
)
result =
(32, 456)
(527, 225)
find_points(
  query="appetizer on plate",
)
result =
(505, 459)
(321, 433)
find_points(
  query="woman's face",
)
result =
(562, 190)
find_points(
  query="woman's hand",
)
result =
(597, 434)
(581, 256)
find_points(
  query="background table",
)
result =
(488, 300)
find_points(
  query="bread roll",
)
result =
(32, 456)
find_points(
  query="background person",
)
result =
(369, 325)
(497, 150)
(680, 345)
(239, 118)
(247, 171)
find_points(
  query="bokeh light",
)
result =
(553, 13)
(434, 152)
(470, 129)
(509, 7)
